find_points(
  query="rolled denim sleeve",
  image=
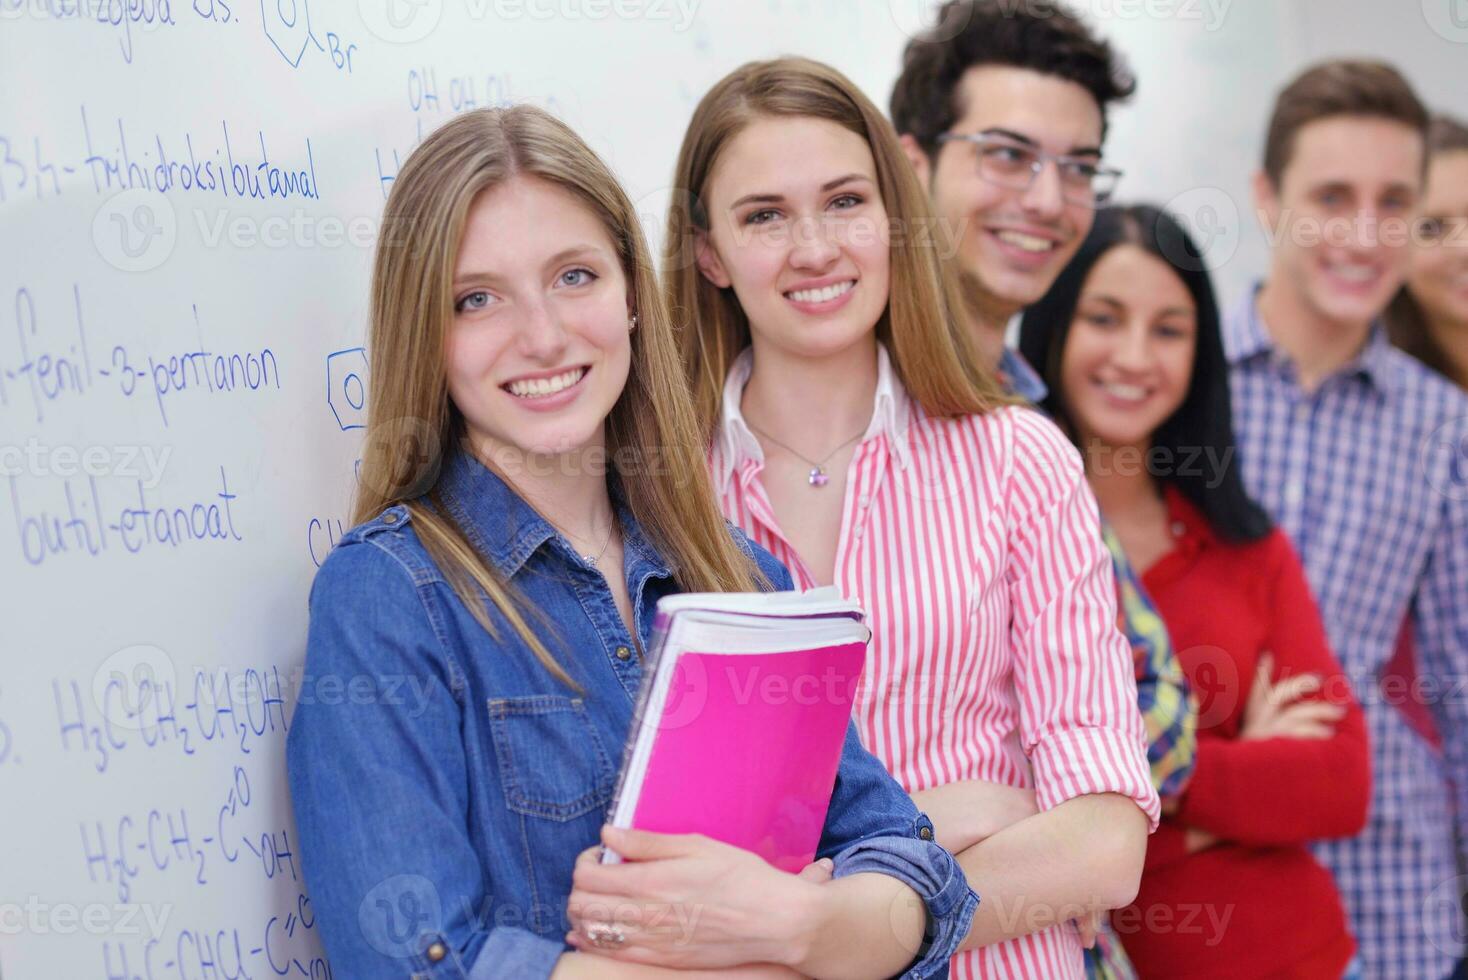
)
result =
(379, 783)
(873, 826)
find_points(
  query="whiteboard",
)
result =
(189, 194)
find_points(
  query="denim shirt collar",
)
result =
(1246, 336)
(506, 530)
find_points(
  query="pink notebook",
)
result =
(741, 721)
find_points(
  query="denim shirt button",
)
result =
(926, 833)
(623, 653)
(436, 952)
(389, 518)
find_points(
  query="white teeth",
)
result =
(540, 387)
(1030, 243)
(1132, 393)
(1354, 273)
(822, 295)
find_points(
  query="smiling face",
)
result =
(798, 229)
(1013, 242)
(1128, 358)
(1438, 277)
(539, 348)
(1340, 214)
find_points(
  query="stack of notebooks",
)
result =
(741, 720)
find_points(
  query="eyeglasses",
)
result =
(1012, 164)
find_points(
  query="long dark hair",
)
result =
(1406, 321)
(1204, 421)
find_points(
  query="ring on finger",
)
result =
(605, 935)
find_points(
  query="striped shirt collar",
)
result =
(1246, 337)
(891, 415)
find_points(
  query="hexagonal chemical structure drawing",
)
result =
(346, 387)
(288, 26)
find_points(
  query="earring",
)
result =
(632, 323)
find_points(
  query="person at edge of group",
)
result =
(1428, 319)
(1002, 112)
(533, 484)
(1129, 345)
(1356, 451)
(854, 431)
(1429, 316)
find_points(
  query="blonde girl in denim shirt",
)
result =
(532, 483)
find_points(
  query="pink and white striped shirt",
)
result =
(974, 545)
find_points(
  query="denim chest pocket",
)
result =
(552, 761)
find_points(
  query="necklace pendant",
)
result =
(591, 559)
(818, 477)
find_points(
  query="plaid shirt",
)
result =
(1368, 475)
(1162, 688)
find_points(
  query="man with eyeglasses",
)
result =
(1001, 108)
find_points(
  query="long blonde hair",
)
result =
(923, 326)
(652, 438)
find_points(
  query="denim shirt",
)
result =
(444, 782)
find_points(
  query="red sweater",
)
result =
(1256, 904)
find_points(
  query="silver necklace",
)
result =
(817, 477)
(593, 559)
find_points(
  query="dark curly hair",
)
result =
(1041, 35)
